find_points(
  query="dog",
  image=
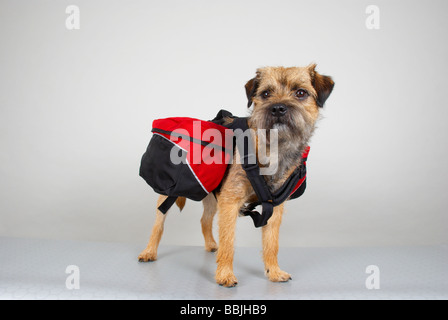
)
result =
(288, 100)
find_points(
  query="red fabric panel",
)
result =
(304, 156)
(208, 163)
(195, 128)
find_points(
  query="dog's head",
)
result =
(288, 99)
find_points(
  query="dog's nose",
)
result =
(279, 110)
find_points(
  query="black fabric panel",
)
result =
(299, 192)
(166, 177)
(188, 186)
(156, 168)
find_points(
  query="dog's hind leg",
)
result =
(210, 209)
(150, 253)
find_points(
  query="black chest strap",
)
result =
(248, 157)
(268, 200)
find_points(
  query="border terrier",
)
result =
(285, 99)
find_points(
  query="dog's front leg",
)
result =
(270, 247)
(228, 210)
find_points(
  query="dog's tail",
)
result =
(180, 201)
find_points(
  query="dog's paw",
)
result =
(147, 255)
(277, 275)
(211, 247)
(227, 280)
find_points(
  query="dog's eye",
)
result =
(265, 94)
(301, 94)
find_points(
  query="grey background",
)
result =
(76, 109)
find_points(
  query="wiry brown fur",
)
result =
(294, 131)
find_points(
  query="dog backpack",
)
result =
(188, 157)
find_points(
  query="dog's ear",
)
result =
(322, 84)
(251, 88)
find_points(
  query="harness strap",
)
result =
(285, 190)
(259, 220)
(167, 204)
(250, 165)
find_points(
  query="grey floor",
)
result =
(36, 269)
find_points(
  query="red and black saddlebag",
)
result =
(186, 157)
